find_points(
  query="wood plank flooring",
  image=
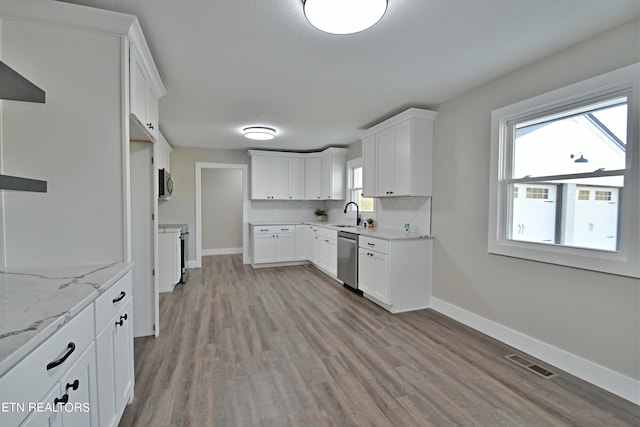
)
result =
(288, 346)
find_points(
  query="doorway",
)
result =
(205, 176)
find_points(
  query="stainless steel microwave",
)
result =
(165, 184)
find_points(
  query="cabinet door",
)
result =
(46, 418)
(123, 356)
(402, 160)
(260, 177)
(302, 242)
(106, 381)
(369, 166)
(332, 261)
(313, 245)
(151, 118)
(278, 178)
(137, 87)
(285, 247)
(373, 274)
(313, 178)
(385, 163)
(264, 248)
(326, 179)
(80, 385)
(295, 178)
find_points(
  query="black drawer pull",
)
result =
(74, 385)
(124, 316)
(119, 322)
(64, 400)
(71, 347)
(371, 244)
(120, 298)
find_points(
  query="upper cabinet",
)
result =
(163, 153)
(143, 98)
(398, 155)
(277, 175)
(333, 174)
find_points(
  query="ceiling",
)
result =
(230, 64)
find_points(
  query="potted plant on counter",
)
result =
(370, 222)
(321, 215)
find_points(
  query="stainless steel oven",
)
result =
(348, 260)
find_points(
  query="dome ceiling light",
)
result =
(260, 133)
(344, 16)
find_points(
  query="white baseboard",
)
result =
(222, 251)
(616, 383)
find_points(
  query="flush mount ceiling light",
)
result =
(344, 16)
(260, 133)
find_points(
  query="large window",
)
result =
(565, 173)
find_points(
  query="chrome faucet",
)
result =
(358, 219)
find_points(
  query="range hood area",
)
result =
(14, 87)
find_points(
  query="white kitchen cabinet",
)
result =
(303, 234)
(373, 274)
(295, 178)
(313, 178)
(143, 99)
(163, 153)
(400, 151)
(67, 355)
(312, 249)
(327, 250)
(114, 344)
(169, 259)
(274, 243)
(333, 174)
(395, 274)
(269, 175)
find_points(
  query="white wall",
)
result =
(181, 208)
(221, 210)
(591, 315)
(73, 141)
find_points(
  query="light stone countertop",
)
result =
(36, 302)
(384, 234)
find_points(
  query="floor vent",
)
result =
(530, 365)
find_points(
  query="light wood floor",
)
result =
(288, 346)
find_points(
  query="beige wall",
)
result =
(592, 315)
(181, 208)
(221, 209)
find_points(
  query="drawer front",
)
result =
(30, 379)
(263, 229)
(108, 304)
(328, 233)
(377, 245)
(279, 229)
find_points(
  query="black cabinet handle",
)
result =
(123, 317)
(74, 385)
(70, 349)
(120, 298)
(371, 244)
(119, 322)
(64, 400)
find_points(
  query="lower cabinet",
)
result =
(327, 250)
(274, 243)
(76, 377)
(395, 274)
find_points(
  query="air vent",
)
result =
(539, 370)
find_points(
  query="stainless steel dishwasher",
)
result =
(348, 260)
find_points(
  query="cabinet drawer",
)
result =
(30, 379)
(108, 304)
(328, 233)
(279, 229)
(377, 245)
(263, 229)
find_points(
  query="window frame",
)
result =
(352, 164)
(625, 261)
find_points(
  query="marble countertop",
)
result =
(385, 234)
(36, 302)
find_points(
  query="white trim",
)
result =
(197, 263)
(618, 384)
(221, 251)
(626, 262)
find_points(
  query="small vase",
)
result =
(322, 218)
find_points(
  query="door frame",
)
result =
(245, 207)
